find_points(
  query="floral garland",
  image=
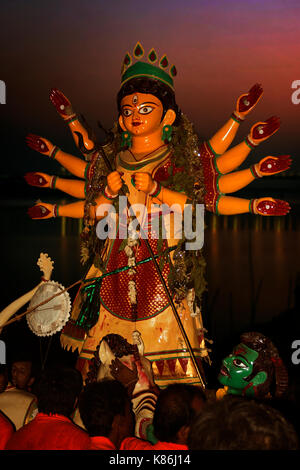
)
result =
(132, 244)
(188, 267)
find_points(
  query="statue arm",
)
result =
(72, 187)
(144, 182)
(237, 180)
(267, 206)
(218, 179)
(75, 210)
(234, 157)
(74, 165)
(80, 134)
(245, 103)
(172, 199)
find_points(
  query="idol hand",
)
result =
(38, 179)
(272, 165)
(62, 103)
(270, 206)
(263, 130)
(40, 144)
(247, 101)
(41, 211)
(144, 182)
(114, 183)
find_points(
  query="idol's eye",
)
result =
(127, 112)
(239, 363)
(146, 110)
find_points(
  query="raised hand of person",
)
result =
(269, 206)
(247, 101)
(61, 103)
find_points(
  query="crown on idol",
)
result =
(156, 68)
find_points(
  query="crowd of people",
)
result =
(185, 417)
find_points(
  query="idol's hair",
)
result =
(269, 361)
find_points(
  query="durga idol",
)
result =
(154, 157)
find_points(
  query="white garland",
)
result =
(132, 241)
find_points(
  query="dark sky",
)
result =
(220, 49)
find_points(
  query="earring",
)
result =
(126, 140)
(167, 134)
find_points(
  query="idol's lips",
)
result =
(136, 123)
(224, 371)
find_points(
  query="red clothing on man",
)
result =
(49, 432)
(101, 443)
(133, 443)
(6, 430)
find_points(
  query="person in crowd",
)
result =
(238, 423)
(7, 429)
(176, 406)
(105, 410)
(23, 371)
(289, 409)
(16, 402)
(57, 394)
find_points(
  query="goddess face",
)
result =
(237, 367)
(141, 114)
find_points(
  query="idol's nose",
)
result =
(136, 114)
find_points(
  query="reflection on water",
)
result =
(252, 263)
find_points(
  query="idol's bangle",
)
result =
(251, 206)
(54, 152)
(237, 117)
(71, 118)
(55, 210)
(254, 172)
(109, 196)
(156, 190)
(53, 182)
(250, 142)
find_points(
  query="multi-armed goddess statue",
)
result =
(147, 289)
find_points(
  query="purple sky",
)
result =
(220, 48)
